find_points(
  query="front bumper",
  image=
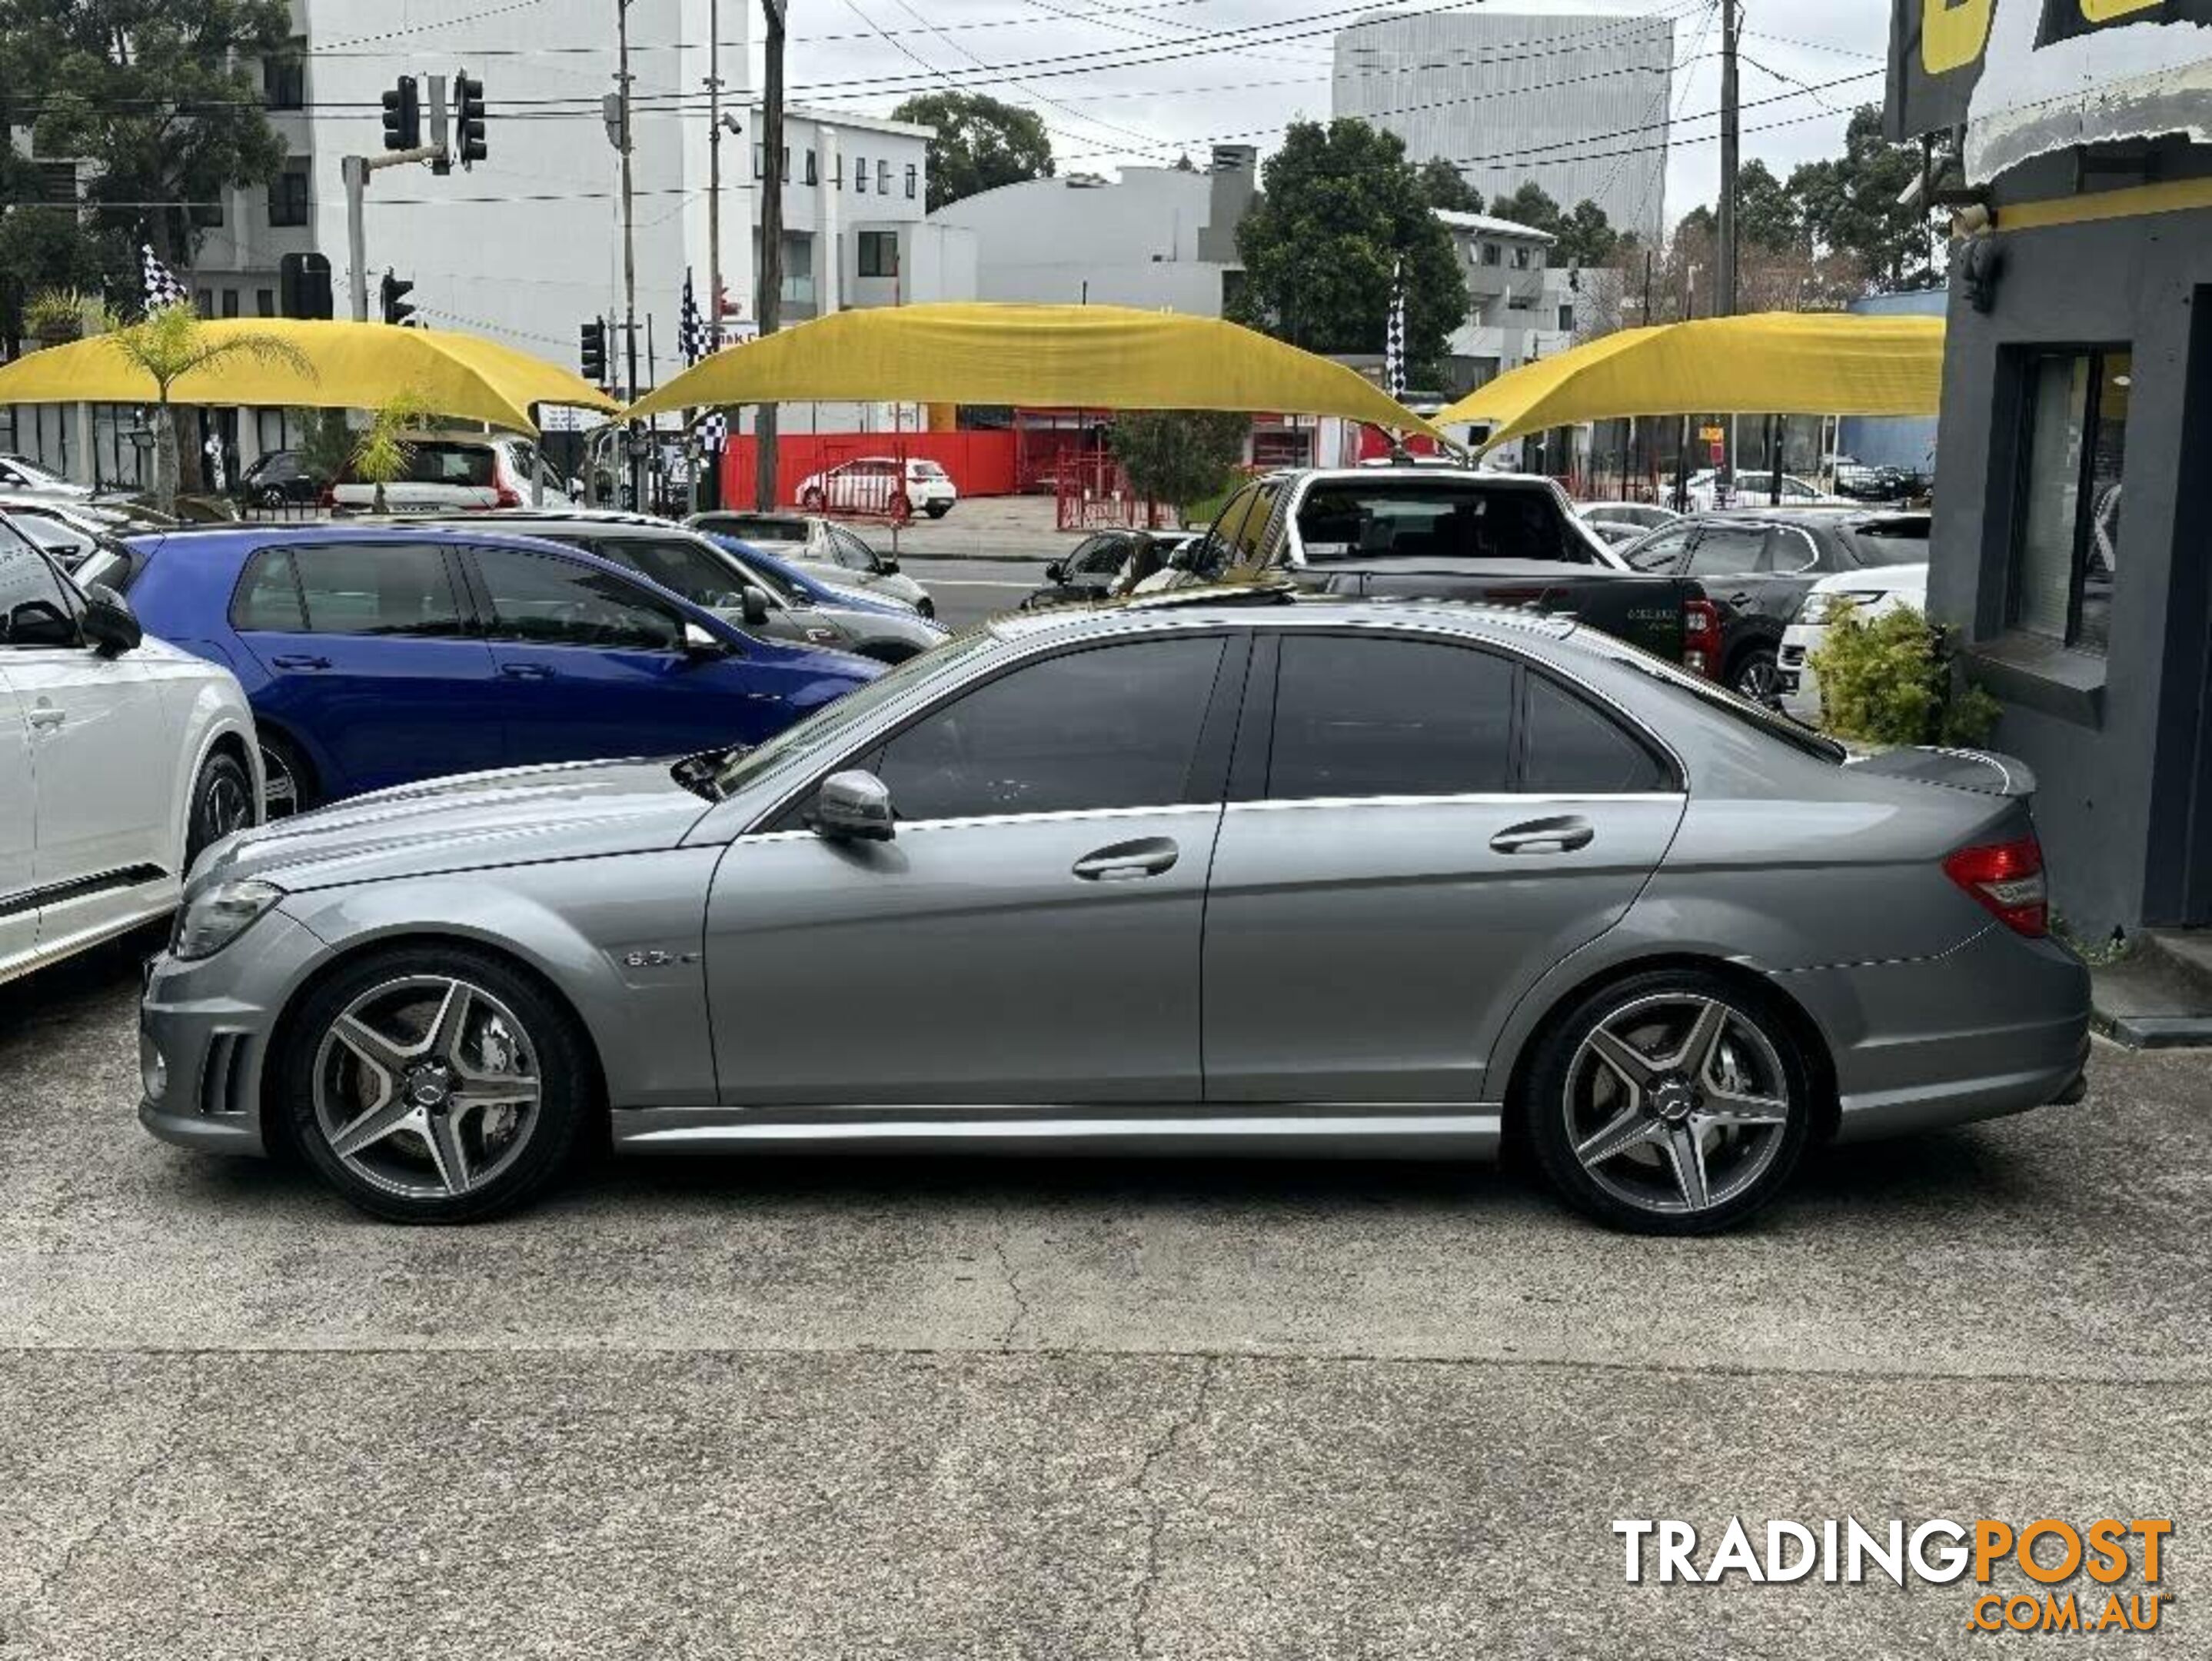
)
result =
(204, 1031)
(1998, 1026)
(1800, 688)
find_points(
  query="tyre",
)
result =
(221, 802)
(289, 784)
(937, 509)
(273, 497)
(1754, 675)
(1672, 1102)
(927, 607)
(810, 500)
(435, 1084)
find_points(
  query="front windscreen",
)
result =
(1412, 520)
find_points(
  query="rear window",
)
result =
(925, 470)
(1902, 540)
(756, 527)
(1427, 519)
(436, 463)
(1717, 697)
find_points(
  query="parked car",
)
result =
(1108, 565)
(1445, 534)
(376, 657)
(71, 528)
(1868, 592)
(747, 589)
(880, 484)
(1756, 490)
(21, 473)
(821, 548)
(1404, 880)
(122, 759)
(1756, 566)
(1624, 521)
(1858, 483)
(280, 478)
(458, 472)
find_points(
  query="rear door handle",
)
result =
(525, 671)
(1740, 599)
(300, 661)
(1130, 861)
(1559, 835)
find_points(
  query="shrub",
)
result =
(1177, 456)
(1888, 680)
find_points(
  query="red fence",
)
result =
(981, 463)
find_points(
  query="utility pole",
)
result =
(769, 299)
(629, 243)
(714, 171)
(1725, 291)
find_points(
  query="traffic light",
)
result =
(304, 285)
(395, 293)
(468, 116)
(403, 116)
(594, 352)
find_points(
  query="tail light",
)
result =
(507, 496)
(1701, 637)
(2006, 877)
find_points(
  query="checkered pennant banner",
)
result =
(161, 289)
(1394, 334)
(690, 333)
(712, 429)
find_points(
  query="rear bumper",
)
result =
(1998, 1026)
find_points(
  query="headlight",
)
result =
(1822, 608)
(216, 917)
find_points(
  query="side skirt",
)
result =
(1382, 1132)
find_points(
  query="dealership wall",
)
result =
(981, 463)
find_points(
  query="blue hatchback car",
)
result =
(380, 657)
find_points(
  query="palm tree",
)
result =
(170, 343)
(383, 453)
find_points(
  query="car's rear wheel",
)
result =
(1672, 1102)
(287, 782)
(938, 509)
(1756, 675)
(222, 801)
(434, 1084)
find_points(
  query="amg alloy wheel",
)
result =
(1673, 1102)
(285, 789)
(435, 1087)
(222, 801)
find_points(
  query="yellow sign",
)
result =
(1711, 434)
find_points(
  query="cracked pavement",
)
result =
(917, 1408)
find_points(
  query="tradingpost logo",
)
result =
(2122, 1560)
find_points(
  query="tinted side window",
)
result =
(551, 603)
(1661, 553)
(268, 598)
(1389, 717)
(1727, 551)
(1789, 549)
(34, 608)
(450, 464)
(377, 589)
(1571, 747)
(848, 549)
(1113, 727)
(682, 568)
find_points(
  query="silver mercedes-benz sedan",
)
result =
(1390, 880)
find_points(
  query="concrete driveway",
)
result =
(917, 1409)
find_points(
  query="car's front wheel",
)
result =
(222, 801)
(1757, 676)
(938, 509)
(1673, 1102)
(434, 1084)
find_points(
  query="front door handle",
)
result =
(300, 661)
(47, 717)
(1740, 599)
(525, 671)
(1559, 835)
(1130, 861)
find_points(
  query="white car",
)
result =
(1870, 591)
(880, 484)
(21, 473)
(458, 473)
(1757, 490)
(121, 759)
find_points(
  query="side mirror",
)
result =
(699, 642)
(109, 623)
(887, 565)
(854, 806)
(756, 606)
(42, 622)
(1056, 572)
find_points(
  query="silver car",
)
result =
(824, 549)
(1398, 879)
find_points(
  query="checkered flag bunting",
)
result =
(695, 340)
(1394, 334)
(161, 289)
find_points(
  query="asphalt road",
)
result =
(966, 591)
(923, 1407)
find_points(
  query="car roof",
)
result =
(1274, 605)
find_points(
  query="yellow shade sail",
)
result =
(355, 366)
(1089, 357)
(1770, 363)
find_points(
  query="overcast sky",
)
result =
(1106, 110)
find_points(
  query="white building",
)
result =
(1159, 238)
(1576, 101)
(1520, 306)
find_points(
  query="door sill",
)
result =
(1386, 1132)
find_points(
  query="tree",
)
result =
(1766, 212)
(1340, 206)
(1850, 206)
(159, 95)
(1530, 205)
(1178, 456)
(170, 343)
(382, 454)
(1586, 236)
(1446, 187)
(979, 143)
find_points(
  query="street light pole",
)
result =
(715, 169)
(1724, 294)
(630, 240)
(769, 299)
